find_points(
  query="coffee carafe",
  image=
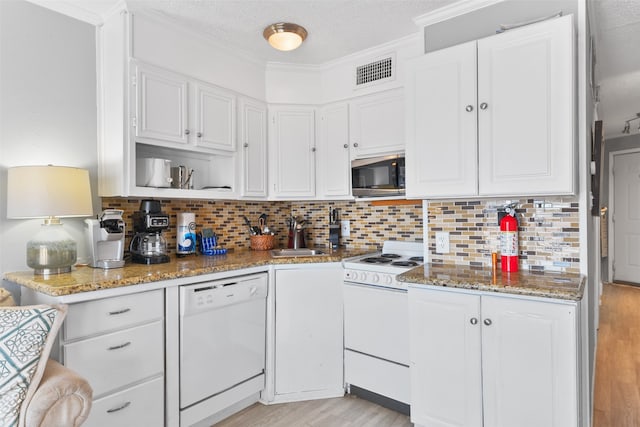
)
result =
(148, 245)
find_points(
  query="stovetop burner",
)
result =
(405, 263)
(417, 258)
(376, 260)
(391, 256)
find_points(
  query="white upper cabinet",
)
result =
(253, 137)
(161, 105)
(441, 154)
(215, 118)
(171, 108)
(526, 118)
(292, 151)
(334, 164)
(377, 124)
(513, 134)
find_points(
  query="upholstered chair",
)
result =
(54, 396)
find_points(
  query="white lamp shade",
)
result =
(43, 191)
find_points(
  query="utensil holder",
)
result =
(263, 242)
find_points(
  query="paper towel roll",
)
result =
(186, 234)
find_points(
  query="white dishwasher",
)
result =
(222, 344)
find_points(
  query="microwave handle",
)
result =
(374, 160)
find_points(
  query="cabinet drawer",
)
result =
(109, 314)
(142, 405)
(117, 359)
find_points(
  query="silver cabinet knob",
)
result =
(346, 145)
(484, 106)
(473, 321)
(487, 322)
(355, 144)
(199, 134)
(246, 144)
(469, 108)
(187, 131)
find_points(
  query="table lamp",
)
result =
(49, 192)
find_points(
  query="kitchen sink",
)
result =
(287, 253)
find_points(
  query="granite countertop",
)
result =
(85, 279)
(564, 286)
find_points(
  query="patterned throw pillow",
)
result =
(26, 336)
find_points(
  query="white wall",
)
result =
(334, 81)
(167, 45)
(47, 109)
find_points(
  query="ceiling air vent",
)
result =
(375, 72)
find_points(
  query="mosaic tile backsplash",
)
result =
(548, 237)
(548, 228)
(370, 225)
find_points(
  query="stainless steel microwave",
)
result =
(378, 176)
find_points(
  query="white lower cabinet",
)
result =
(141, 405)
(117, 344)
(493, 361)
(308, 333)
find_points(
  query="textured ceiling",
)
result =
(336, 27)
(618, 62)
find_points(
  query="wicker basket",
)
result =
(262, 242)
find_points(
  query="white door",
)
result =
(529, 363)
(292, 154)
(445, 350)
(161, 105)
(626, 217)
(441, 152)
(253, 129)
(526, 104)
(215, 118)
(377, 124)
(308, 331)
(334, 164)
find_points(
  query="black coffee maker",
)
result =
(148, 246)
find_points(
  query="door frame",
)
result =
(611, 204)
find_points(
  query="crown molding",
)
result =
(78, 10)
(456, 9)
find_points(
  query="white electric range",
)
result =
(380, 268)
(376, 323)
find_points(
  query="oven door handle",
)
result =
(378, 287)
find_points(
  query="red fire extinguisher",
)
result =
(509, 241)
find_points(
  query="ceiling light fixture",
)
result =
(285, 36)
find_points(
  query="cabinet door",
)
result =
(161, 105)
(308, 330)
(377, 124)
(253, 136)
(292, 132)
(334, 165)
(441, 152)
(529, 359)
(526, 120)
(444, 352)
(215, 118)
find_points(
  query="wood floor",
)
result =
(348, 411)
(617, 387)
